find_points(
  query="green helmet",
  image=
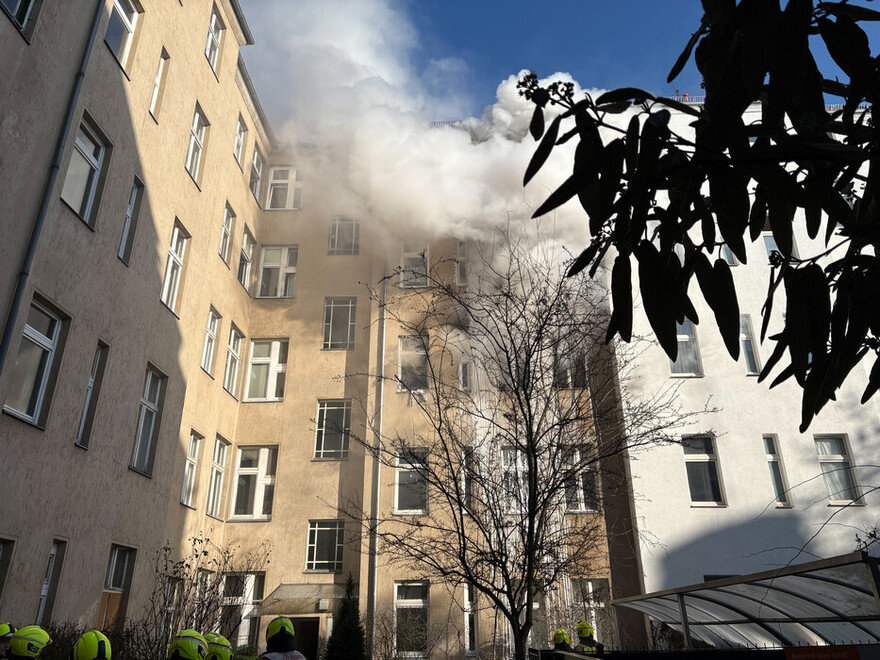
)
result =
(219, 647)
(188, 645)
(561, 636)
(7, 630)
(27, 642)
(584, 629)
(92, 645)
(279, 625)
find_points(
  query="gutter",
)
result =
(239, 16)
(39, 220)
(249, 84)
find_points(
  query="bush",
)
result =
(246, 652)
(64, 635)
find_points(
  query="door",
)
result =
(306, 636)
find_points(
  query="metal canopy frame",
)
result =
(829, 601)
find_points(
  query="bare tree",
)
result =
(517, 410)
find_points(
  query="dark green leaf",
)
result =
(778, 352)
(536, 127)
(873, 382)
(781, 217)
(854, 12)
(584, 258)
(678, 105)
(686, 53)
(657, 296)
(632, 144)
(625, 94)
(561, 195)
(725, 306)
(621, 295)
(730, 200)
(783, 376)
(543, 151)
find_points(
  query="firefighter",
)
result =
(561, 640)
(219, 647)
(188, 645)
(92, 645)
(587, 644)
(279, 641)
(28, 642)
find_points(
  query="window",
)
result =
(571, 370)
(688, 360)
(149, 415)
(747, 344)
(581, 487)
(197, 134)
(210, 340)
(333, 428)
(339, 322)
(777, 477)
(174, 266)
(240, 608)
(159, 83)
(591, 596)
(285, 188)
(412, 490)
(30, 387)
(461, 264)
(240, 140)
(836, 469)
(411, 619)
(255, 482)
(49, 587)
(724, 252)
(6, 548)
(344, 236)
(80, 189)
(268, 370)
(190, 469)
(278, 272)
(244, 260)
(464, 374)
(515, 479)
(129, 224)
(215, 35)
(226, 230)
(218, 469)
(19, 11)
(93, 391)
(256, 173)
(233, 357)
(412, 364)
(770, 242)
(414, 266)
(325, 545)
(470, 621)
(702, 470)
(120, 29)
(117, 585)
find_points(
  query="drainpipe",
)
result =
(377, 430)
(21, 282)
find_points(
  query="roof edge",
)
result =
(245, 28)
(246, 77)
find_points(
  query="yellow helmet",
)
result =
(584, 629)
(219, 647)
(279, 625)
(188, 645)
(7, 630)
(92, 645)
(561, 636)
(27, 642)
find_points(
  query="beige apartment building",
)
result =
(181, 303)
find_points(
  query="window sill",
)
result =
(343, 254)
(210, 375)
(188, 506)
(140, 472)
(846, 503)
(245, 289)
(80, 445)
(121, 66)
(410, 514)
(150, 112)
(281, 208)
(225, 263)
(686, 375)
(248, 520)
(124, 262)
(785, 506)
(212, 66)
(76, 213)
(708, 505)
(230, 394)
(12, 412)
(347, 348)
(327, 459)
(217, 518)
(18, 28)
(753, 375)
(165, 305)
(263, 401)
(325, 571)
(582, 512)
(274, 297)
(194, 180)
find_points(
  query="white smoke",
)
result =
(341, 87)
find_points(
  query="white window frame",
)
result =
(414, 260)
(174, 266)
(332, 308)
(126, 555)
(321, 429)
(465, 374)
(461, 264)
(210, 346)
(250, 608)
(515, 470)
(285, 285)
(277, 372)
(326, 531)
(129, 224)
(686, 334)
(725, 253)
(840, 462)
(93, 387)
(214, 504)
(241, 130)
(287, 180)
(84, 207)
(126, 12)
(245, 258)
(256, 178)
(580, 459)
(158, 83)
(148, 405)
(407, 348)
(49, 344)
(263, 482)
(197, 135)
(215, 38)
(469, 602)
(226, 230)
(747, 345)
(777, 470)
(411, 603)
(412, 461)
(347, 228)
(50, 582)
(233, 360)
(709, 459)
(190, 469)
